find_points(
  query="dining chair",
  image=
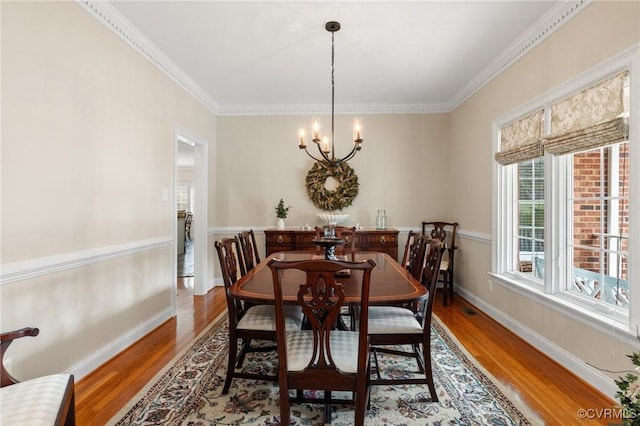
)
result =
(187, 226)
(393, 325)
(322, 357)
(248, 322)
(249, 249)
(445, 232)
(45, 400)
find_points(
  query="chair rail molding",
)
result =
(32, 268)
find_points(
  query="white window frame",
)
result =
(557, 171)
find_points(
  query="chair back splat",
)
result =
(416, 256)
(407, 247)
(249, 248)
(323, 357)
(231, 265)
(445, 232)
(432, 261)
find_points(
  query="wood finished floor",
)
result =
(549, 390)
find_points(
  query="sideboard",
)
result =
(367, 239)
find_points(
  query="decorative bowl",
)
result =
(332, 218)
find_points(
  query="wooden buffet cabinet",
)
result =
(381, 240)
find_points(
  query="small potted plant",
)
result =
(281, 213)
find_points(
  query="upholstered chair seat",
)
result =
(263, 317)
(41, 401)
(344, 350)
(393, 320)
(34, 402)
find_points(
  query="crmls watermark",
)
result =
(607, 413)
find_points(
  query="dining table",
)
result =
(390, 283)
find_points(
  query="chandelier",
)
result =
(325, 145)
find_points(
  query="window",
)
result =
(184, 197)
(562, 184)
(599, 207)
(530, 219)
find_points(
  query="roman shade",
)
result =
(589, 119)
(521, 140)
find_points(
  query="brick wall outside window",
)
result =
(589, 206)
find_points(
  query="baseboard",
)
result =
(121, 343)
(593, 377)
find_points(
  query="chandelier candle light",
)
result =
(326, 146)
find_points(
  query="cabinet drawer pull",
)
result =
(279, 239)
(382, 239)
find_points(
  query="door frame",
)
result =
(200, 227)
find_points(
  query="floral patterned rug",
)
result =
(187, 391)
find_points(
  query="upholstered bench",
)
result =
(47, 400)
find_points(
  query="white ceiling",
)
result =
(244, 57)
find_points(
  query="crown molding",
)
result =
(311, 109)
(109, 16)
(559, 15)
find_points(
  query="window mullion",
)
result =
(613, 212)
(557, 231)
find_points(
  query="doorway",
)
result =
(190, 195)
(185, 191)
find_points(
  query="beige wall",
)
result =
(185, 176)
(400, 169)
(87, 149)
(597, 33)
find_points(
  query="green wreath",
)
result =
(338, 198)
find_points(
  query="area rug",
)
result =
(188, 391)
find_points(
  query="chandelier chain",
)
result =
(326, 147)
(333, 91)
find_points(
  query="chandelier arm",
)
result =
(350, 155)
(347, 157)
(309, 154)
(323, 157)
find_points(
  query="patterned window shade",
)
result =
(589, 119)
(521, 140)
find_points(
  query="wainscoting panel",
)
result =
(88, 305)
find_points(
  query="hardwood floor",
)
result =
(550, 391)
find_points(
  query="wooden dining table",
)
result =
(390, 282)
